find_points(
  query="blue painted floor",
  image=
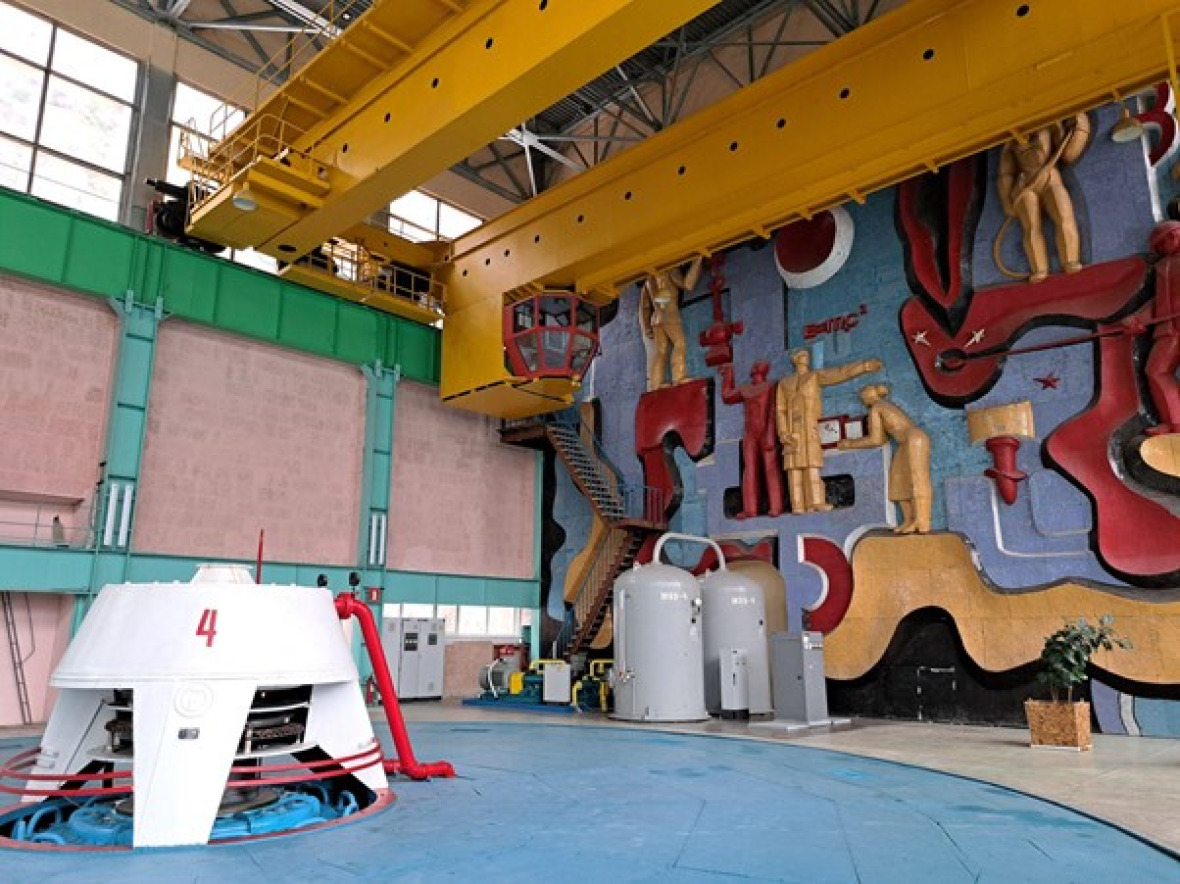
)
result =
(547, 803)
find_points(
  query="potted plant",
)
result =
(1061, 721)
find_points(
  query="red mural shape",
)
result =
(717, 338)
(829, 559)
(1135, 536)
(683, 411)
(1164, 357)
(959, 340)
(921, 239)
(959, 368)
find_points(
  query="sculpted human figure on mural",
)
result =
(798, 410)
(909, 471)
(659, 318)
(1030, 185)
(759, 462)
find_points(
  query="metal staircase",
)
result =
(631, 515)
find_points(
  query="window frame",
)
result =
(48, 71)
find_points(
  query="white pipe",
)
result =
(671, 535)
(108, 530)
(125, 520)
(373, 538)
(382, 537)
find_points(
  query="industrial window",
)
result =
(66, 112)
(467, 621)
(419, 217)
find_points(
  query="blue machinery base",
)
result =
(98, 823)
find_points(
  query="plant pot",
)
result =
(1064, 725)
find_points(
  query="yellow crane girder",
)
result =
(390, 104)
(929, 83)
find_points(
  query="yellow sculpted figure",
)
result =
(909, 472)
(1030, 185)
(659, 318)
(799, 406)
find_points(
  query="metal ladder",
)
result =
(18, 659)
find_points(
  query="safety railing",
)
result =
(587, 601)
(213, 162)
(41, 525)
(331, 20)
(642, 502)
(356, 265)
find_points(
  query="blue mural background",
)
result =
(1041, 540)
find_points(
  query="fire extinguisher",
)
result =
(371, 692)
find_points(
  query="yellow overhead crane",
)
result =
(407, 90)
(927, 84)
(415, 85)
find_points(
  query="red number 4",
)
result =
(208, 626)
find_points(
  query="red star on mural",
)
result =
(1048, 382)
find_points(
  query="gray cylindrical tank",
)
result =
(734, 615)
(659, 664)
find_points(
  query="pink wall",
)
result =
(43, 626)
(244, 436)
(462, 502)
(57, 355)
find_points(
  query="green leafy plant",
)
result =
(1067, 653)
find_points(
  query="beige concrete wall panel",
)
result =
(57, 357)
(461, 502)
(244, 436)
(894, 576)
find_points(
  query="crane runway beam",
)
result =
(469, 78)
(922, 86)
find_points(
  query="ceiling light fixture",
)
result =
(1128, 128)
(244, 200)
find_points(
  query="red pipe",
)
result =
(348, 606)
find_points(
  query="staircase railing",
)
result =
(628, 501)
(628, 510)
(588, 602)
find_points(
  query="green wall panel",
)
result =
(55, 245)
(34, 239)
(358, 334)
(137, 357)
(308, 321)
(100, 259)
(249, 304)
(44, 570)
(189, 284)
(417, 352)
(126, 434)
(457, 589)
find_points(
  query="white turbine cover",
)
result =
(194, 655)
(143, 632)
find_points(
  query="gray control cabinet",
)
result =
(797, 668)
(414, 648)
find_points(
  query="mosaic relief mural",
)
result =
(958, 397)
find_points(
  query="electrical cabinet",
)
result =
(414, 648)
(797, 665)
